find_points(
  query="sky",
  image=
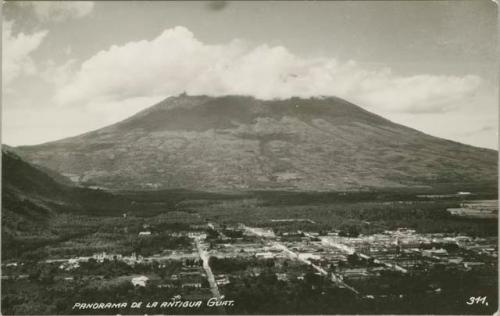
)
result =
(72, 67)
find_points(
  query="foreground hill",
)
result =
(32, 200)
(241, 143)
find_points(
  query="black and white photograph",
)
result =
(249, 157)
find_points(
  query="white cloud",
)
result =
(16, 50)
(415, 94)
(176, 62)
(58, 74)
(58, 11)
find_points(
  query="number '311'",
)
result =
(477, 300)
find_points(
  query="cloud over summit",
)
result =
(176, 62)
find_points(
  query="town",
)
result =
(218, 261)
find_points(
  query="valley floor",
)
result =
(262, 256)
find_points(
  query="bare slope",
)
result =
(241, 143)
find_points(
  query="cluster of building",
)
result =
(294, 253)
(348, 258)
(73, 263)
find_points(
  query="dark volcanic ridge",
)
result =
(241, 143)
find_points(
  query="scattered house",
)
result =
(222, 279)
(463, 239)
(191, 274)
(199, 235)
(71, 264)
(455, 260)
(264, 255)
(313, 234)
(404, 230)
(435, 252)
(471, 264)
(133, 259)
(355, 273)
(118, 257)
(282, 276)
(256, 271)
(449, 240)
(308, 256)
(263, 232)
(100, 257)
(145, 233)
(195, 285)
(140, 281)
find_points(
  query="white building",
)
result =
(140, 280)
(308, 256)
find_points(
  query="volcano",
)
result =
(233, 143)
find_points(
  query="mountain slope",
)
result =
(241, 143)
(30, 198)
(32, 201)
